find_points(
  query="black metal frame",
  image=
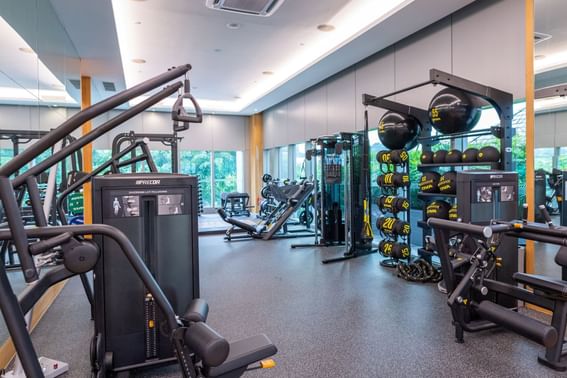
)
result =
(169, 140)
(466, 293)
(500, 100)
(14, 309)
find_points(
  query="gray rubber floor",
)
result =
(352, 319)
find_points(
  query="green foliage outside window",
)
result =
(225, 174)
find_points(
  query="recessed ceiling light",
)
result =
(138, 61)
(301, 44)
(58, 87)
(217, 50)
(267, 73)
(237, 97)
(539, 57)
(26, 50)
(255, 109)
(325, 27)
(233, 25)
(137, 22)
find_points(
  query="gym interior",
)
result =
(283, 188)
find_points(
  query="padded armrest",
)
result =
(197, 311)
(543, 283)
(243, 353)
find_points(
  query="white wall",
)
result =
(216, 133)
(551, 130)
(483, 42)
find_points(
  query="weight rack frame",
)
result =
(500, 100)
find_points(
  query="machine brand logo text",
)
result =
(147, 182)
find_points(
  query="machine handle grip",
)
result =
(178, 113)
(467, 228)
(546, 216)
(462, 286)
(525, 213)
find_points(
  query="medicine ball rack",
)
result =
(501, 101)
(392, 239)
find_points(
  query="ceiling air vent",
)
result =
(540, 37)
(76, 83)
(262, 8)
(109, 86)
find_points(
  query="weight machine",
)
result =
(200, 351)
(339, 217)
(473, 293)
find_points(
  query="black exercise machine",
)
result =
(474, 294)
(342, 214)
(236, 204)
(290, 198)
(200, 351)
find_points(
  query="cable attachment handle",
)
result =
(179, 114)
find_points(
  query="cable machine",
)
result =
(339, 196)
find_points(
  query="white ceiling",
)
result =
(551, 54)
(171, 32)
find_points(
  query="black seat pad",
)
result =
(245, 226)
(544, 283)
(243, 353)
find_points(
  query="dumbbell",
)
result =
(429, 182)
(392, 204)
(393, 180)
(395, 250)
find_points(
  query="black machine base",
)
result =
(389, 263)
(354, 253)
(557, 366)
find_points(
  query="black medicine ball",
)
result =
(438, 209)
(448, 182)
(454, 111)
(428, 183)
(470, 155)
(453, 213)
(439, 156)
(396, 131)
(454, 156)
(426, 157)
(489, 154)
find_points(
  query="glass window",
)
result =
(198, 163)
(299, 169)
(266, 161)
(544, 158)
(225, 166)
(100, 157)
(562, 159)
(274, 159)
(283, 163)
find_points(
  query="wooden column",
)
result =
(530, 122)
(256, 158)
(87, 150)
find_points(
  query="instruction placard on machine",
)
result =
(127, 204)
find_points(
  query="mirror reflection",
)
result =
(39, 89)
(550, 67)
